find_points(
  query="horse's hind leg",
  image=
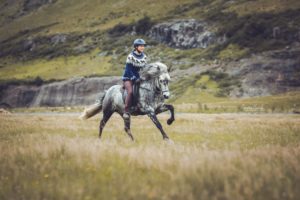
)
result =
(105, 118)
(127, 122)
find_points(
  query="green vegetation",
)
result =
(93, 26)
(208, 86)
(140, 27)
(85, 16)
(233, 156)
(248, 25)
(232, 52)
(61, 67)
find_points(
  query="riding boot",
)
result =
(136, 92)
(128, 100)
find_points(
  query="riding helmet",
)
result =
(138, 42)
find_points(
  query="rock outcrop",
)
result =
(268, 73)
(184, 34)
(77, 91)
(30, 5)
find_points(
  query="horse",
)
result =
(152, 92)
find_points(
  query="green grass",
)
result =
(86, 16)
(263, 6)
(235, 156)
(232, 52)
(61, 67)
(208, 86)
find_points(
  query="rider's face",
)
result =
(140, 48)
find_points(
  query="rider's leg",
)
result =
(128, 100)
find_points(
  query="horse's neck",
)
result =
(148, 88)
(148, 84)
(148, 96)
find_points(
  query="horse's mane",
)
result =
(154, 70)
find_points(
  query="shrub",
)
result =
(120, 29)
(143, 25)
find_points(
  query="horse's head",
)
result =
(159, 73)
(163, 85)
(163, 79)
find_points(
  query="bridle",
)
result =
(158, 89)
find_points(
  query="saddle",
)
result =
(135, 95)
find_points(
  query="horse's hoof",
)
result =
(170, 121)
(169, 141)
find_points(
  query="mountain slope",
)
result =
(62, 39)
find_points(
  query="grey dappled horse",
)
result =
(153, 91)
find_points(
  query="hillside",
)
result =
(57, 40)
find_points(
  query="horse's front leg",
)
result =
(164, 108)
(153, 117)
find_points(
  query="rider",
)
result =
(134, 62)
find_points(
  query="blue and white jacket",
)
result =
(134, 63)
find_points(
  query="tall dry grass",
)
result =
(226, 156)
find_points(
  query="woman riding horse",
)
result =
(152, 92)
(134, 62)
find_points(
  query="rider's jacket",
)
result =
(134, 63)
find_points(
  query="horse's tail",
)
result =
(93, 109)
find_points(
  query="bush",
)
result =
(120, 29)
(143, 25)
(38, 81)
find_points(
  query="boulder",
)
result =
(59, 38)
(184, 34)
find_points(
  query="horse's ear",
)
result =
(169, 68)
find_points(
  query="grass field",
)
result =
(207, 103)
(211, 156)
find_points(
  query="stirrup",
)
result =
(132, 109)
(126, 115)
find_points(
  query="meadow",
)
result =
(210, 156)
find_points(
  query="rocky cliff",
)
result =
(185, 34)
(76, 91)
(269, 73)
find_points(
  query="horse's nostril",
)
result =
(166, 96)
